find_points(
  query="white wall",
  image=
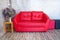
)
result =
(3, 4)
(50, 7)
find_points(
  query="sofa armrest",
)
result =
(16, 19)
(52, 24)
(47, 22)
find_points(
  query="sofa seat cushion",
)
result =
(25, 16)
(31, 24)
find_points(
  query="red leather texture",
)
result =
(52, 24)
(31, 21)
(25, 16)
(36, 16)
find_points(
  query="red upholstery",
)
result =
(25, 16)
(31, 21)
(36, 16)
(52, 24)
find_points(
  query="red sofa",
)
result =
(31, 21)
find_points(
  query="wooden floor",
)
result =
(50, 35)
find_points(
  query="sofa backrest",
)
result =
(32, 16)
(37, 15)
(45, 17)
(25, 16)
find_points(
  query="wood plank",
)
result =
(50, 35)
